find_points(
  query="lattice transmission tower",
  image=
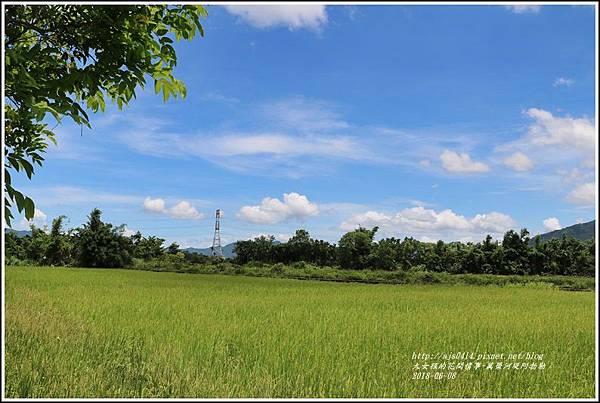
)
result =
(216, 246)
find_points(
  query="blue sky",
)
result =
(438, 122)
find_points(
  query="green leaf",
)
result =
(29, 208)
(199, 26)
(157, 86)
(14, 163)
(19, 199)
(27, 167)
(7, 214)
(41, 108)
(102, 102)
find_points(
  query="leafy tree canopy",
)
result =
(62, 60)
(102, 245)
(355, 247)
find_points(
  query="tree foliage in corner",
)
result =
(62, 60)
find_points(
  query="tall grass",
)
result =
(123, 333)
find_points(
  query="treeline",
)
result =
(95, 244)
(357, 250)
(100, 244)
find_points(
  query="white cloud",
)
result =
(566, 131)
(279, 144)
(309, 133)
(584, 195)
(367, 219)
(524, 8)
(425, 163)
(127, 231)
(304, 114)
(461, 163)
(494, 222)
(219, 98)
(184, 210)
(563, 148)
(272, 211)
(271, 154)
(39, 215)
(180, 211)
(552, 224)
(296, 16)
(519, 162)
(278, 237)
(292, 137)
(421, 218)
(563, 81)
(73, 195)
(574, 175)
(39, 220)
(353, 12)
(421, 222)
(74, 144)
(154, 205)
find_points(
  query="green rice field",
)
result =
(126, 333)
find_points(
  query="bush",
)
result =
(299, 265)
(278, 268)
(173, 262)
(15, 261)
(418, 268)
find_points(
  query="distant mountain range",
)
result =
(19, 234)
(583, 231)
(227, 250)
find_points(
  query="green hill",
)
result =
(583, 231)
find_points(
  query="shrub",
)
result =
(277, 268)
(418, 268)
(299, 265)
(15, 261)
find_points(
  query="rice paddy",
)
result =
(124, 333)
